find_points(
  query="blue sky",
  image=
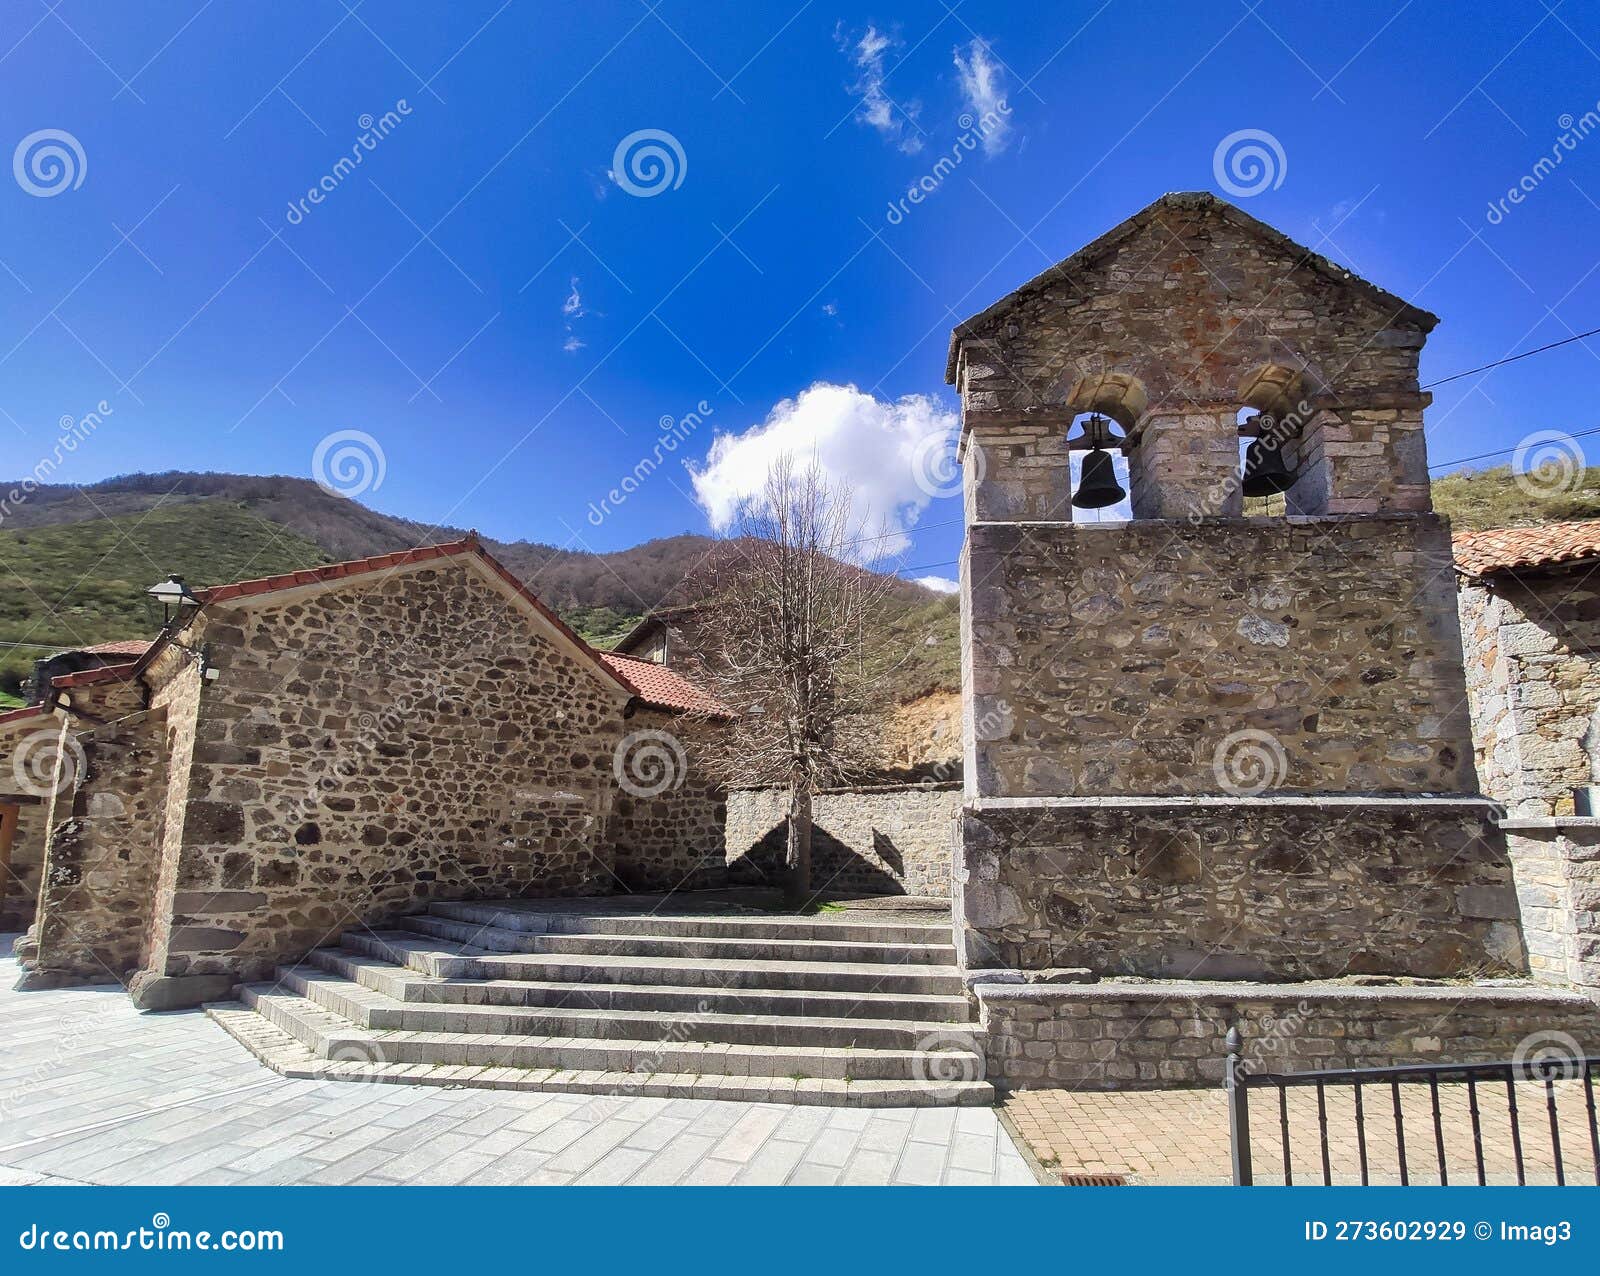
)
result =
(511, 326)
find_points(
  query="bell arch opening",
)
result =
(1273, 410)
(1102, 486)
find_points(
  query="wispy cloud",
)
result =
(572, 309)
(983, 90)
(939, 584)
(895, 122)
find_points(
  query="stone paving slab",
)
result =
(1181, 1136)
(91, 1092)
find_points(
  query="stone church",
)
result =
(332, 748)
(1219, 766)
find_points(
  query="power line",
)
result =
(1526, 354)
(1483, 456)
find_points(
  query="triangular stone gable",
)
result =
(1195, 254)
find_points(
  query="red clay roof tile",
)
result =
(1504, 548)
(661, 688)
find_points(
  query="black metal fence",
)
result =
(1489, 1086)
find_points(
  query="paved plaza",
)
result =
(93, 1092)
(1181, 1136)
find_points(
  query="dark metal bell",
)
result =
(1098, 486)
(1265, 474)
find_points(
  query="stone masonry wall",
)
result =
(27, 863)
(892, 840)
(1095, 1037)
(1170, 330)
(1557, 864)
(1125, 658)
(666, 834)
(101, 856)
(1533, 677)
(1268, 889)
(367, 748)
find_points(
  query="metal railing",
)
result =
(1482, 1080)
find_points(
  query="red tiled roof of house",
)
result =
(131, 647)
(661, 688)
(118, 672)
(1505, 548)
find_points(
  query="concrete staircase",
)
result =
(854, 1007)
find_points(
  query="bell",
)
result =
(1265, 474)
(1097, 485)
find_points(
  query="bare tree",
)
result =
(781, 641)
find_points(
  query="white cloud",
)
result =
(572, 307)
(983, 89)
(894, 456)
(939, 584)
(878, 110)
(572, 345)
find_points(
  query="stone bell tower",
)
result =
(1201, 745)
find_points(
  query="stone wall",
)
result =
(1534, 685)
(367, 748)
(890, 840)
(665, 829)
(101, 855)
(1269, 889)
(1171, 658)
(1125, 1036)
(27, 862)
(1557, 865)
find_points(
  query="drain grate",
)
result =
(1094, 1180)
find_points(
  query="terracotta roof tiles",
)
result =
(661, 688)
(1502, 549)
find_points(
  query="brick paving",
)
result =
(93, 1092)
(1181, 1136)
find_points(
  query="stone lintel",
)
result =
(1200, 801)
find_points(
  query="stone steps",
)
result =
(696, 948)
(373, 1009)
(837, 927)
(807, 1009)
(405, 983)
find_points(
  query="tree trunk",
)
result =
(797, 858)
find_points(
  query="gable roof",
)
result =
(634, 677)
(1092, 252)
(1501, 549)
(661, 688)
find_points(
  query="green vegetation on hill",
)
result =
(1475, 499)
(75, 584)
(602, 627)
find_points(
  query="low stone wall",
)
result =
(101, 858)
(1271, 888)
(1557, 864)
(1114, 1036)
(889, 840)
